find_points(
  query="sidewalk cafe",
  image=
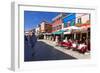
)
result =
(78, 38)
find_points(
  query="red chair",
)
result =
(64, 44)
(61, 43)
(83, 50)
(68, 44)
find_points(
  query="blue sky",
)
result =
(33, 18)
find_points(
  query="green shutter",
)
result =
(72, 23)
(65, 24)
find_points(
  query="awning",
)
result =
(71, 28)
(67, 32)
(58, 32)
(85, 26)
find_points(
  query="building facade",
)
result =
(83, 21)
(37, 31)
(45, 28)
(57, 23)
(69, 20)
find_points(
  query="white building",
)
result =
(82, 18)
(37, 31)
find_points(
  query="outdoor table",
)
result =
(74, 45)
(81, 45)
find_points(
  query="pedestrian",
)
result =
(33, 40)
(27, 49)
(25, 37)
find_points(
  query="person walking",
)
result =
(27, 48)
(33, 40)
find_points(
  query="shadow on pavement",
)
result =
(44, 52)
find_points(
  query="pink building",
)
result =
(57, 23)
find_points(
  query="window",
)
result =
(79, 20)
(60, 27)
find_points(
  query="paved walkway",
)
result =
(69, 52)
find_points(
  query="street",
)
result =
(44, 51)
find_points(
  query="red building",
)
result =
(57, 23)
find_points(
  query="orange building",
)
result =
(45, 27)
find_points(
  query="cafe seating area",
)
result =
(75, 45)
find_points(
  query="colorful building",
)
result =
(76, 23)
(57, 23)
(75, 26)
(57, 26)
(45, 28)
(69, 19)
(83, 21)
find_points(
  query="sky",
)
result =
(33, 18)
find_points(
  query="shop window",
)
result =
(60, 26)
